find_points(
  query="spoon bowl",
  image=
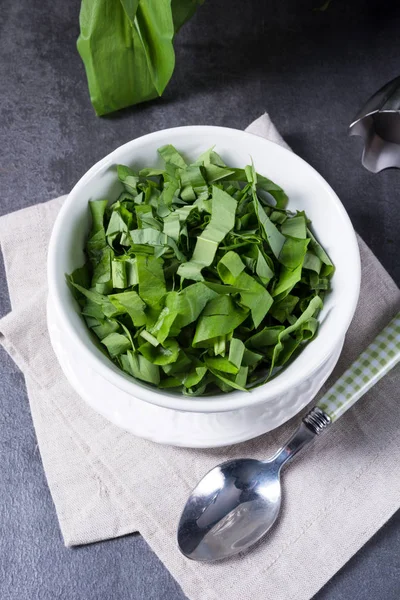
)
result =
(232, 507)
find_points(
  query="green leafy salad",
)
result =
(198, 278)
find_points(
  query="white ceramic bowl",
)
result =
(306, 189)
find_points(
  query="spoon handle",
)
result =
(373, 364)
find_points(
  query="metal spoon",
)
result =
(237, 502)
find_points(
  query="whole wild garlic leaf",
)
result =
(127, 48)
(198, 278)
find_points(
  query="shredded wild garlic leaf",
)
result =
(198, 278)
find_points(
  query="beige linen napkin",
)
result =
(106, 483)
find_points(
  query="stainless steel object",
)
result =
(378, 123)
(237, 502)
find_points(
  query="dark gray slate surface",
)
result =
(311, 71)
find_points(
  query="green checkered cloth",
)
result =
(377, 360)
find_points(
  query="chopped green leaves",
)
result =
(269, 231)
(198, 278)
(222, 221)
(116, 343)
(219, 318)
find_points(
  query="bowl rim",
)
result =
(216, 403)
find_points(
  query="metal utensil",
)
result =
(237, 502)
(378, 123)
